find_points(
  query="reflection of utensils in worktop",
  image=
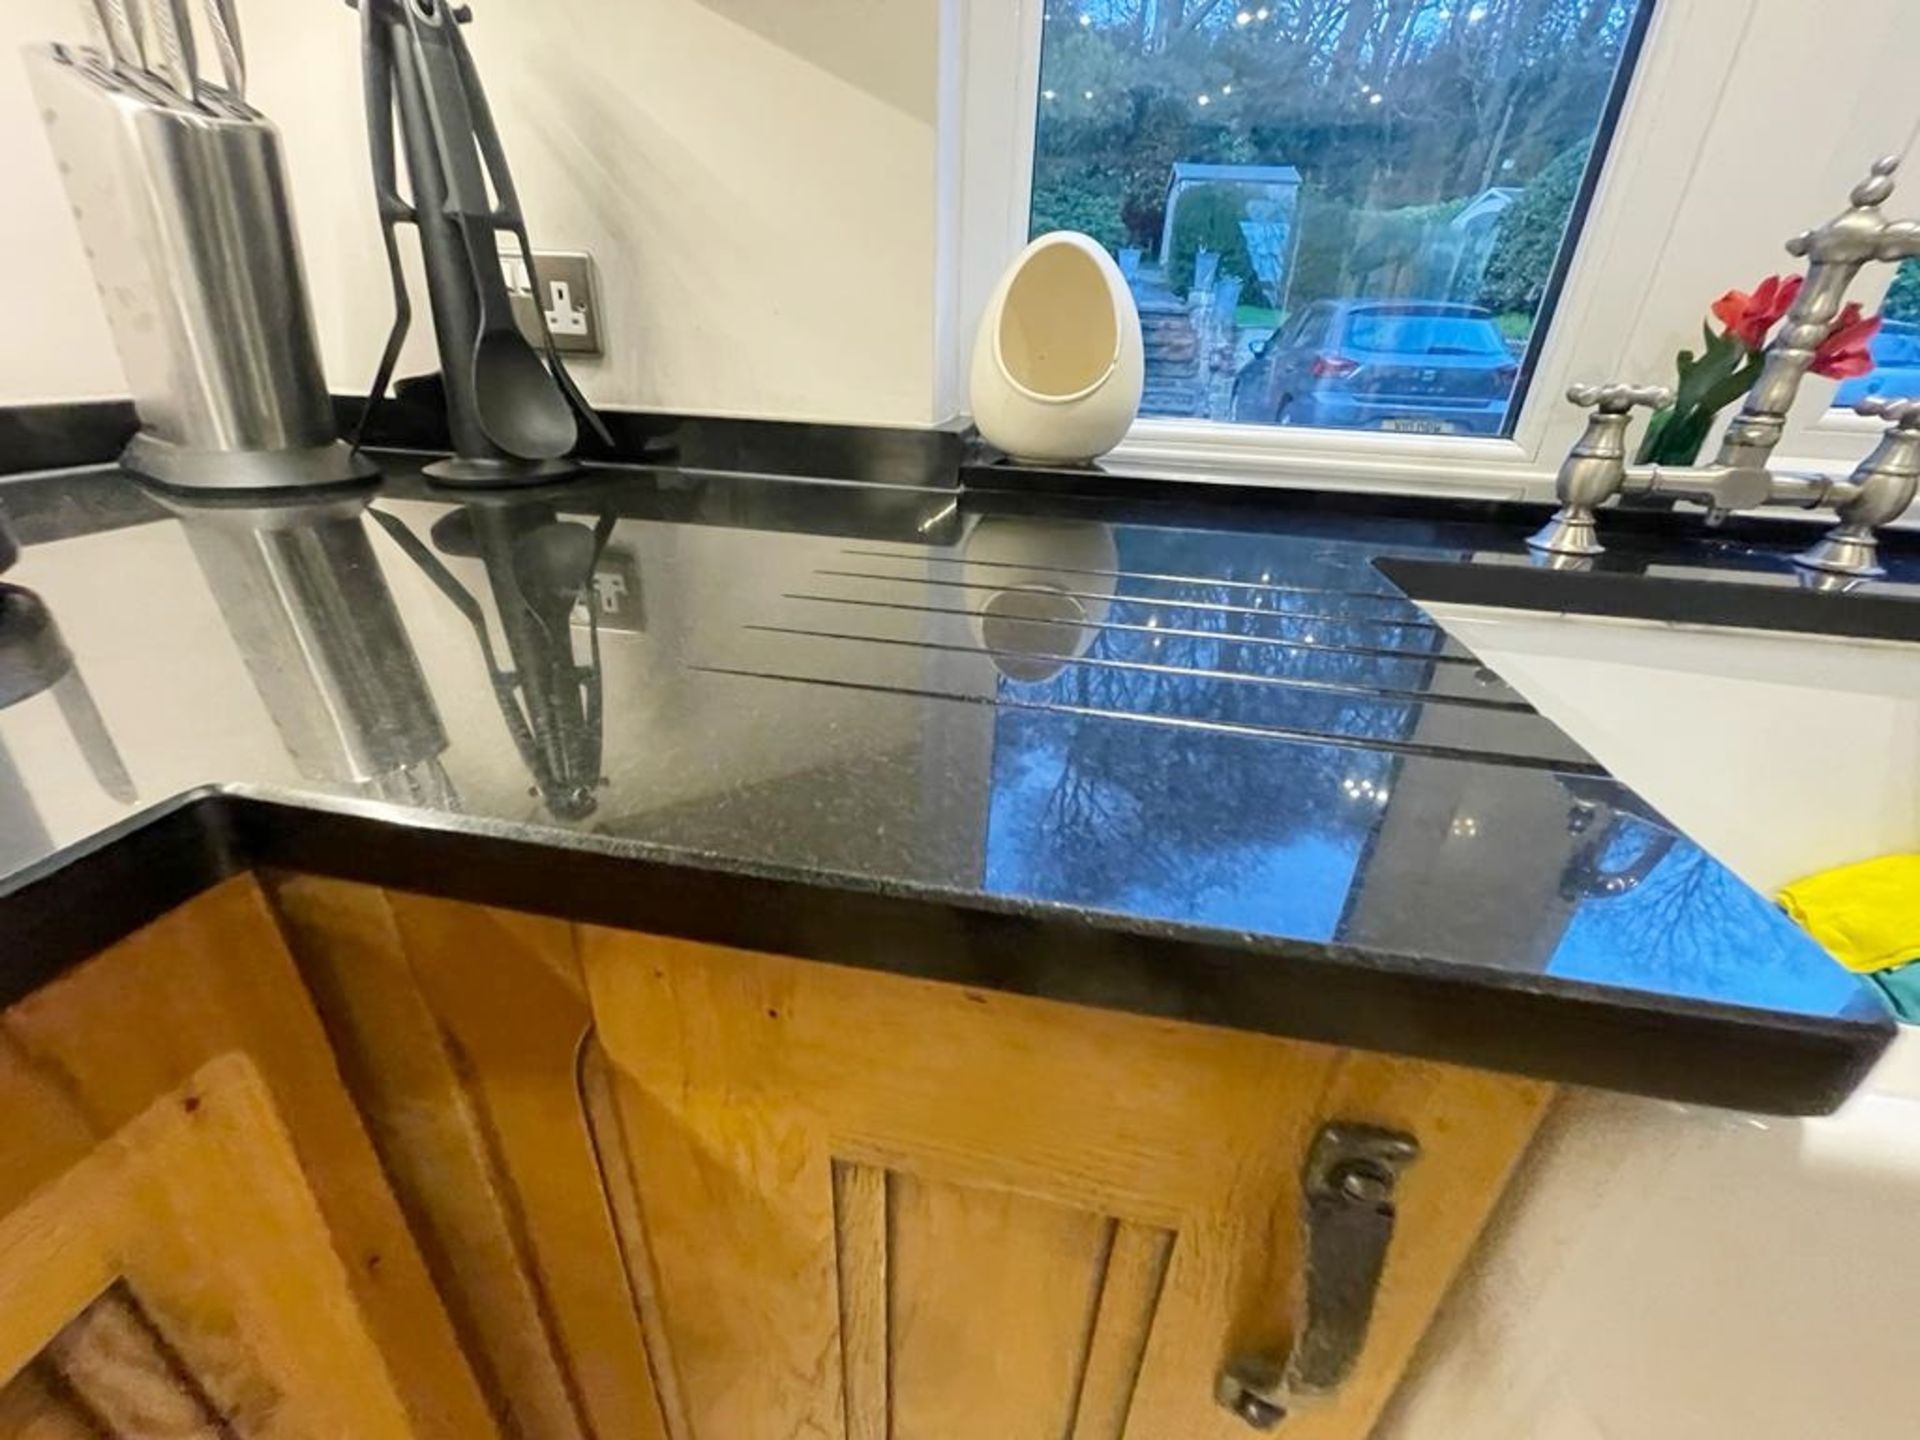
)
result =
(181, 197)
(34, 660)
(317, 628)
(539, 567)
(511, 416)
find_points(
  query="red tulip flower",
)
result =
(1844, 353)
(1730, 361)
(1748, 318)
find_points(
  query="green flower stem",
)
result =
(1724, 371)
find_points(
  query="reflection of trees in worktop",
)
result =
(1692, 927)
(1103, 811)
(1216, 630)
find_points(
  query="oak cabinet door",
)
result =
(883, 1209)
(179, 1281)
(461, 1032)
(195, 1234)
(679, 1192)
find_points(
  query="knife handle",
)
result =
(224, 23)
(114, 22)
(174, 63)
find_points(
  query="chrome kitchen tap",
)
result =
(1878, 491)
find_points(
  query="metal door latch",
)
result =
(1347, 1189)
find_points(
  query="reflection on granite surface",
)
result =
(539, 569)
(35, 662)
(316, 626)
(1249, 731)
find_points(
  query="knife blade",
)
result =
(224, 22)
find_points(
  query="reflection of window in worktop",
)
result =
(1512, 864)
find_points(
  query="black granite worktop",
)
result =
(1178, 758)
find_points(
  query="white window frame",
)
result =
(1744, 122)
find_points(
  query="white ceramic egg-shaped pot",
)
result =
(1058, 366)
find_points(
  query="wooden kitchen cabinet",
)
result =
(674, 1190)
(462, 1033)
(195, 1235)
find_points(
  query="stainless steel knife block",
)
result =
(187, 222)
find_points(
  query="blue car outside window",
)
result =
(1896, 346)
(1403, 333)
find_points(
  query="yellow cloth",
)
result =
(1867, 915)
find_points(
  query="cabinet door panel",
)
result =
(993, 1304)
(212, 985)
(881, 1207)
(179, 1281)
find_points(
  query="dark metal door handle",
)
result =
(1347, 1191)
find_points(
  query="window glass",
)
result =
(1896, 349)
(1247, 161)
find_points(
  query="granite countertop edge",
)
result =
(89, 894)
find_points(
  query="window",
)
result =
(1673, 207)
(1345, 214)
(1896, 349)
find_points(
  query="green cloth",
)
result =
(1902, 989)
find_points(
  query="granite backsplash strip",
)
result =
(63, 434)
(66, 434)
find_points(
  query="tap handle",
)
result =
(1878, 185)
(1618, 398)
(1898, 413)
(1859, 234)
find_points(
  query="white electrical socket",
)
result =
(567, 282)
(563, 318)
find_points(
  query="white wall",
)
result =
(759, 180)
(1658, 1273)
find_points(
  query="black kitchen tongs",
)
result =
(511, 417)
